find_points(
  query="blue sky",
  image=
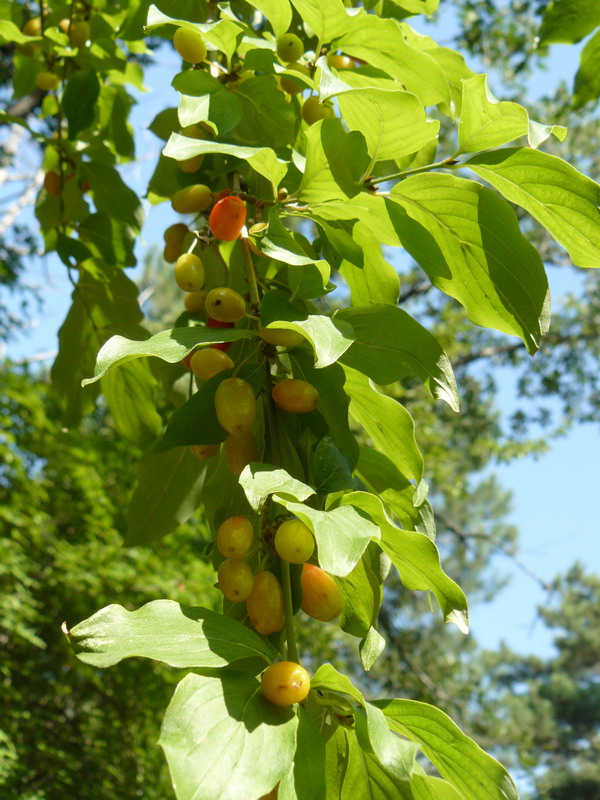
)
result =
(555, 496)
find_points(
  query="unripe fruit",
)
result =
(47, 81)
(280, 336)
(299, 397)
(235, 405)
(225, 305)
(189, 272)
(227, 218)
(191, 199)
(79, 33)
(215, 323)
(235, 537)
(313, 111)
(289, 47)
(33, 27)
(285, 683)
(194, 302)
(190, 45)
(208, 362)
(340, 62)
(204, 451)
(265, 604)
(52, 183)
(322, 597)
(287, 82)
(235, 580)
(294, 541)
(253, 230)
(241, 449)
(174, 237)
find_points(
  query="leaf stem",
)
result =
(290, 631)
(254, 295)
(447, 162)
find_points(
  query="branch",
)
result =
(25, 105)
(487, 352)
(421, 287)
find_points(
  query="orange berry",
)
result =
(285, 683)
(227, 218)
(322, 598)
(265, 604)
(296, 396)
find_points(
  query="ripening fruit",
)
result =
(340, 62)
(235, 580)
(227, 218)
(289, 84)
(252, 231)
(280, 336)
(194, 303)
(285, 683)
(204, 451)
(33, 27)
(216, 323)
(299, 397)
(47, 81)
(52, 183)
(189, 273)
(265, 604)
(294, 541)
(235, 537)
(272, 794)
(225, 305)
(313, 111)
(191, 199)
(289, 47)
(240, 449)
(235, 405)
(190, 45)
(174, 237)
(208, 362)
(322, 598)
(192, 164)
(79, 33)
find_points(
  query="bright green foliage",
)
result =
(351, 469)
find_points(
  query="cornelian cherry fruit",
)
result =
(189, 272)
(52, 183)
(296, 396)
(191, 199)
(340, 62)
(235, 537)
(280, 336)
(265, 604)
(208, 362)
(322, 598)
(235, 580)
(204, 451)
(190, 45)
(289, 84)
(313, 110)
(285, 683)
(227, 218)
(194, 302)
(235, 405)
(294, 541)
(240, 449)
(174, 237)
(289, 47)
(225, 305)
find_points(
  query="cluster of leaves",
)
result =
(363, 503)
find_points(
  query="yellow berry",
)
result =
(189, 272)
(190, 45)
(208, 362)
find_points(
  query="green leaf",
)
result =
(379, 114)
(568, 21)
(278, 242)
(333, 400)
(469, 243)
(171, 346)
(563, 200)
(387, 423)
(332, 468)
(329, 338)
(162, 630)
(335, 163)
(260, 480)
(587, 79)
(381, 43)
(195, 422)
(262, 159)
(278, 12)
(363, 593)
(457, 758)
(166, 494)
(306, 779)
(130, 393)
(370, 648)
(204, 98)
(10, 33)
(418, 6)
(268, 120)
(244, 740)
(377, 282)
(222, 35)
(390, 344)
(79, 100)
(327, 20)
(110, 240)
(112, 195)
